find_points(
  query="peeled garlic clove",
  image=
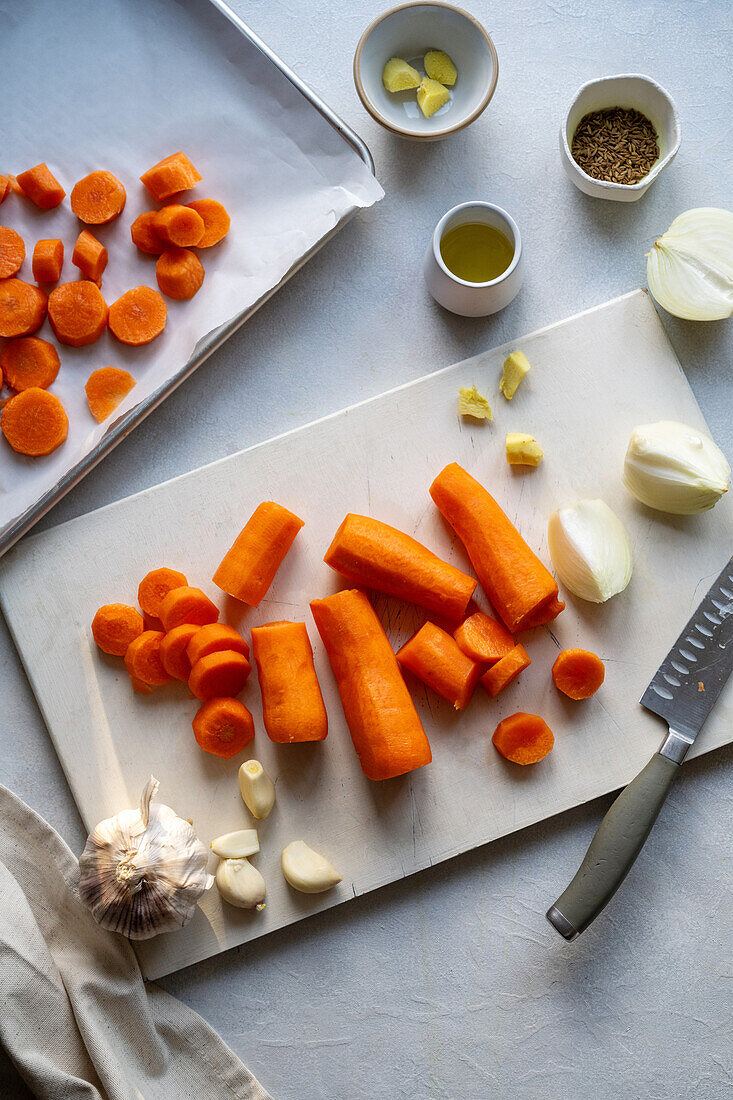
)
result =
(590, 550)
(676, 469)
(240, 884)
(257, 789)
(690, 268)
(306, 870)
(239, 845)
(143, 871)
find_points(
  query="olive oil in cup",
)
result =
(473, 264)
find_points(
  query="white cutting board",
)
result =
(593, 378)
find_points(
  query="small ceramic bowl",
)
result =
(458, 295)
(630, 90)
(409, 31)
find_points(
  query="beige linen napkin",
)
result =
(76, 1020)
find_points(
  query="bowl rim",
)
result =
(659, 166)
(432, 134)
(438, 233)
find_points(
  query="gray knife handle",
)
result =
(617, 843)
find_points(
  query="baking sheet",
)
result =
(593, 378)
(157, 76)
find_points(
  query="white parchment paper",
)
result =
(117, 85)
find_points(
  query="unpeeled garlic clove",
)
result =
(590, 550)
(240, 884)
(238, 845)
(256, 788)
(676, 469)
(306, 870)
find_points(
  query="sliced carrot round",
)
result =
(173, 651)
(179, 225)
(215, 218)
(138, 316)
(187, 605)
(223, 727)
(142, 659)
(98, 198)
(179, 272)
(578, 673)
(34, 422)
(12, 252)
(144, 236)
(48, 259)
(22, 308)
(223, 673)
(523, 738)
(77, 312)
(29, 361)
(115, 626)
(105, 388)
(4, 187)
(155, 586)
(213, 638)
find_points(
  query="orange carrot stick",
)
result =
(22, 308)
(90, 256)
(179, 225)
(187, 605)
(505, 670)
(34, 422)
(248, 568)
(155, 586)
(372, 554)
(483, 639)
(144, 236)
(216, 221)
(41, 186)
(138, 316)
(29, 361)
(105, 389)
(434, 657)
(522, 591)
(172, 174)
(98, 198)
(292, 704)
(142, 659)
(578, 673)
(115, 626)
(48, 259)
(523, 738)
(214, 637)
(223, 727)
(12, 252)
(173, 651)
(219, 674)
(180, 273)
(77, 312)
(387, 734)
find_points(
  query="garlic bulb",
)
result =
(690, 267)
(673, 468)
(240, 884)
(306, 870)
(256, 788)
(143, 871)
(590, 550)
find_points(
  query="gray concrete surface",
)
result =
(451, 986)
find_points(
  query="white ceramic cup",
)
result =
(458, 295)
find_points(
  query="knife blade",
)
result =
(683, 691)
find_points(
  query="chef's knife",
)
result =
(682, 692)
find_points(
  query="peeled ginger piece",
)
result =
(431, 96)
(439, 66)
(472, 403)
(523, 450)
(516, 366)
(398, 76)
